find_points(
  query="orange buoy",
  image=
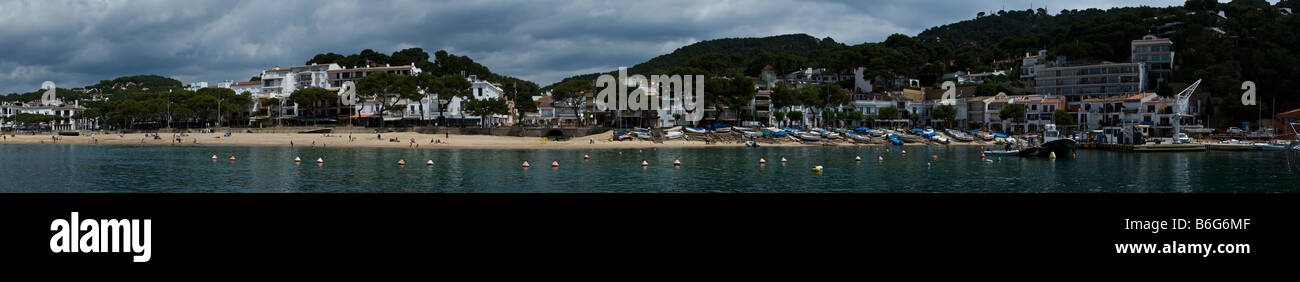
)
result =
(586, 157)
(762, 161)
(555, 163)
(935, 156)
(526, 164)
(677, 162)
(401, 161)
(1073, 155)
(297, 159)
(644, 163)
(981, 155)
(429, 163)
(857, 158)
(232, 157)
(620, 153)
(320, 160)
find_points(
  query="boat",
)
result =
(893, 139)
(674, 135)
(939, 138)
(1268, 147)
(1052, 143)
(1231, 145)
(722, 130)
(808, 136)
(830, 135)
(860, 138)
(1001, 152)
(751, 144)
(1170, 148)
(906, 137)
(741, 129)
(642, 134)
(959, 136)
(695, 130)
(780, 133)
(752, 133)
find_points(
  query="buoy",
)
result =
(762, 161)
(401, 161)
(935, 157)
(214, 157)
(297, 160)
(586, 157)
(904, 151)
(857, 158)
(1051, 155)
(320, 160)
(880, 158)
(1073, 155)
(677, 162)
(817, 169)
(429, 163)
(783, 159)
(232, 157)
(555, 163)
(981, 155)
(620, 153)
(526, 164)
(643, 163)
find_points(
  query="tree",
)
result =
(485, 108)
(943, 112)
(779, 116)
(1062, 117)
(570, 94)
(1011, 112)
(887, 113)
(32, 119)
(314, 98)
(255, 78)
(387, 89)
(796, 116)
(784, 96)
(273, 106)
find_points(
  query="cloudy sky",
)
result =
(76, 43)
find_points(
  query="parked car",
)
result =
(1181, 138)
(1234, 130)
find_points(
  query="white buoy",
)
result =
(320, 160)
(677, 162)
(1051, 155)
(904, 151)
(555, 163)
(644, 163)
(526, 164)
(214, 157)
(586, 157)
(857, 158)
(761, 161)
(401, 161)
(297, 159)
(429, 163)
(783, 159)
(880, 158)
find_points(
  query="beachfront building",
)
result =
(1158, 54)
(253, 88)
(279, 83)
(962, 77)
(1088, 80)
(195, 86)
(479, 90)
(334, 77)
(815, 76)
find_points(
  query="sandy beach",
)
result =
(403, 140)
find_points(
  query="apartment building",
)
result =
(1158, 55)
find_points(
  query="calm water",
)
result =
(103, 168)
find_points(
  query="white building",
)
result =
(195, 86)
(479, 89)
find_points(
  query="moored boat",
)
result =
(808, 136)
(695, 130)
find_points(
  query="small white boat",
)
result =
(940, 139)
(1002, 153)
(674, 135)
(830, 135)
(722, 130)
(959, 136)
(741, 128)
(860, 138)
(753, 133)
(807, 136)
(1268, 147)
(695, 130)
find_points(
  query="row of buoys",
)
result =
(214, 157)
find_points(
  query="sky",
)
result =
(78, 43)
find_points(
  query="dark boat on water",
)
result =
(1053, 145)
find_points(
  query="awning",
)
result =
(362, 115)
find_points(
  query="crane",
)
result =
(1180, 105)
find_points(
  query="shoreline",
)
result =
(422, 141)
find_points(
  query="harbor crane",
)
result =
(1180, 105)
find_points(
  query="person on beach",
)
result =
(290, 143)
(313, 144)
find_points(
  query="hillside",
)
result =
(753, 54)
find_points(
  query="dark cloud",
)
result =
(75, 43)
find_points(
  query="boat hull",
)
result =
(1170, 148)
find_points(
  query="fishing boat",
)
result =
(809, 136)
(674, 135)
(1268, 147)
(959, 136)
(1052, 143)
(939, 138)
(907, 137)
(859, 137)
(893, 139)
(695, 130)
